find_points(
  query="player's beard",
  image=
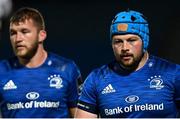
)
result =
(27, 52)
(130, 63)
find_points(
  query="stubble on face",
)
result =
(24, 38)
(129, 61)
(128, 50)
(26, 51)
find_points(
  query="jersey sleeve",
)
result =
(75, 76)
(177, 86)
(87, 99)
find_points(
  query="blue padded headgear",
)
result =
(131, 22)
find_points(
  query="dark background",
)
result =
(79, 30)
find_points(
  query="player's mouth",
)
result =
(20, 47)
(126, 57)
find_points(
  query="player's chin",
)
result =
(127, 63)
(21, 54)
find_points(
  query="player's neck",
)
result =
(37, 60)
(143, 61)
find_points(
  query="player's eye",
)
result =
(12, 33)
(132, 40)
(24, 31)
(117, 41)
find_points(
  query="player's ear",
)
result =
(42, 35)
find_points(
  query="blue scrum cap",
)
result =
(131, 22)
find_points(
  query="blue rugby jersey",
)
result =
(152, 91)
(46, 91)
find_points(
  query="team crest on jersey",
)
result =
(55, 81)
(156, 82)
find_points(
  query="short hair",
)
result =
(27, 13)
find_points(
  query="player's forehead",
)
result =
(28, 23)
(125, 36)
(22, 21)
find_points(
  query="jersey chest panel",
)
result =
(34, 89)
(136, 96)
